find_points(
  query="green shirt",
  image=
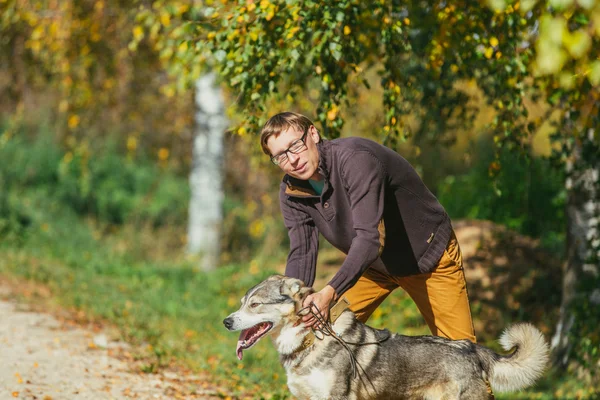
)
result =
(317, 185)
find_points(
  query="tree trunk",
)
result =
(206, 177)
(583, 243)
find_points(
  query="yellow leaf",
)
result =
(183, 46)
(488, 52)
(163, 154)
(131, 143)
(406, 21)
(494, 41)
(165, 19)
(578, 43)
(231, 301)
(566, 80)
(332, 113)
(594, 74)
(550, 58)
(73, 121)
(257, 228)
(560, 4)
(63, 106)
(596, 21)
(527, 5)
(347, 30)
(292, 32)
(138, 32)
(254, 267)
(189, 333)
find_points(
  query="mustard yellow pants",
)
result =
(441, 295)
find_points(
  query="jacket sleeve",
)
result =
(304, 241)
(364, 179)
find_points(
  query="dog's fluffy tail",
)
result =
(521, 368)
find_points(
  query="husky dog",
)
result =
(353, 361)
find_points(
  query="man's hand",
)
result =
(322, 300)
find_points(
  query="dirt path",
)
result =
(42, 357)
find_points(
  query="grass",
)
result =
(164, 303)
(168, 305)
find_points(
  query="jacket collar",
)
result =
(301, 188)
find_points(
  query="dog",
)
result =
(350, 360)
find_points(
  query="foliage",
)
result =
(73, 58)
(527, 195)
(106, 185)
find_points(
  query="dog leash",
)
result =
(326, 329)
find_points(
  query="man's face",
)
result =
(302, 164)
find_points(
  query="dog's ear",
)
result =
(290, 287)
(305, 291)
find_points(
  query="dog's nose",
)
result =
(228, 322)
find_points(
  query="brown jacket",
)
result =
(374, 207)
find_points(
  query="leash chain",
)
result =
(325, 329)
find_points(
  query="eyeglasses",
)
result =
(296, 147)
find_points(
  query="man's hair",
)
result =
(282, 122)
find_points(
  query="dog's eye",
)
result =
(254, 305)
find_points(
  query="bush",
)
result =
(102, 183)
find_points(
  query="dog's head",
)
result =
(272, 303)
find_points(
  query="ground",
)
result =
(49, 356)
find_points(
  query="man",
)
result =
(370, 203)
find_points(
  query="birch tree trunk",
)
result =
(583, 241)
(206, 177)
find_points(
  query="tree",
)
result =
(206, 174)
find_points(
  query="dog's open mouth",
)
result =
(250, 336)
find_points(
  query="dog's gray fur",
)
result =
(401, 367)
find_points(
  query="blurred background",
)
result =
(133, 190)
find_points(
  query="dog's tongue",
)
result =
(241, 344)
(239, 350)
